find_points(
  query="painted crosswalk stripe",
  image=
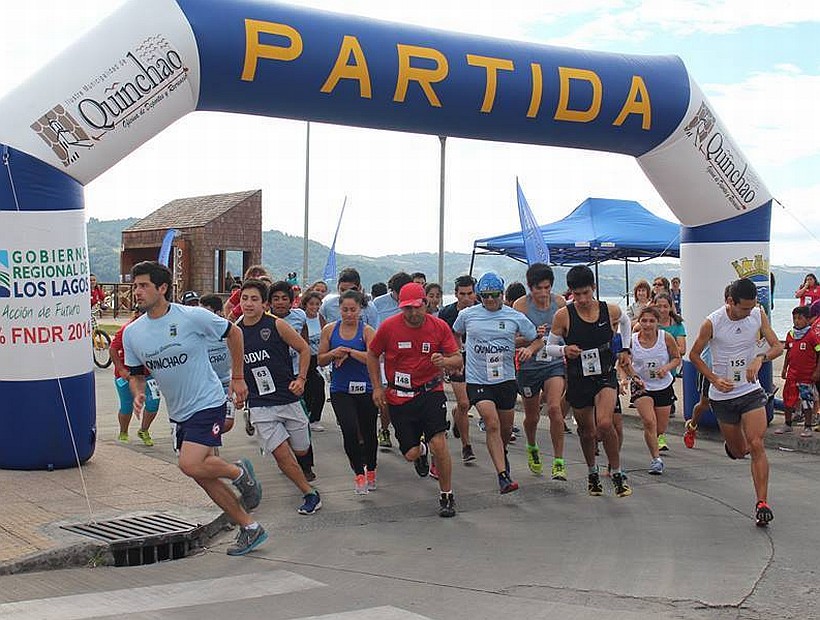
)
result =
(374, 613)
(154, 598)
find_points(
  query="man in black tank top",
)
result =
(586, 327)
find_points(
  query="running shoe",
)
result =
(622, 489)
(316, 427)
(433, 468)
(248, 485)
(481, 426)
(690, 434)
(782, 430)
(360, 484)
(594, 486)
(370, 476)
(249, 428)
(567, 429)
(311, 504)
(505, 484)
(763, 514)
(559, 470)
(384, 439)
(123, 437)
(656, 467)
(662, 445)
(534, 460)
(247, 540)
(467, 454)
(730, 455)
(145, 436)
(310, 476)
(806, 432)
(513, 437)
(447, 505)
(515, 429)
(422, 465)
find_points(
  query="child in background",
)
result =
(801, 370)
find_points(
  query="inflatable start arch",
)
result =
(156, 60)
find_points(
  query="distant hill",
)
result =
(282, 253)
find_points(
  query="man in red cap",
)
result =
(417, 347)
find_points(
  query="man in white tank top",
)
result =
(735, 395)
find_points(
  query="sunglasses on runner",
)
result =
(490, 295)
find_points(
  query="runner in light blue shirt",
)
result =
(490, 331)
(173, 348)
(348, 278)
(172, 341)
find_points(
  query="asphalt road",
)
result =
(682, 546)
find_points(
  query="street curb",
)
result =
(785, 443)
(94, 553)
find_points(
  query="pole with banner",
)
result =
(329, 272)
(534, 244)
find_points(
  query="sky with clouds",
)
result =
(757, 62)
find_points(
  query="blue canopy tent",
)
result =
(599, 229)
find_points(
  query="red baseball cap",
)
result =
(411, 295)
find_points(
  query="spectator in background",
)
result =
(189, 298)
(388, 304)
(433, 293)
(660, 284)
(347, 279)
(514, 291)
(97, 293)
(675, 292)
(232, 310)
(419, 278)
(642, 293)
(801, 371)
(220, 358)
(378, 289)
(297, 296)
(320, 287)
(314, 395)
(809, 292)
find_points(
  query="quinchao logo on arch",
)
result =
(116, 98)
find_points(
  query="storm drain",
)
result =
(144, 539)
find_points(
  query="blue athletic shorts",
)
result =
(127, 400)
(203, 428)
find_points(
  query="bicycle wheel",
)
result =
(101, 341)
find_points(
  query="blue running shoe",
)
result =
(248, 485)
(312, 503)
(247, 540)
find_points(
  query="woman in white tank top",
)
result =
(655, 355)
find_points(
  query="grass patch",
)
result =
(109, 328)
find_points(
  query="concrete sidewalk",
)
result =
(124, 480)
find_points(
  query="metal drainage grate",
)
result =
(144, 539)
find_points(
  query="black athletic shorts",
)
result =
(426, 414)
(730, 411)
(581, 391)
(502, 394)
(660, 398)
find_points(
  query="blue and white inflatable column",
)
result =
(712, 256)
(46, 376)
